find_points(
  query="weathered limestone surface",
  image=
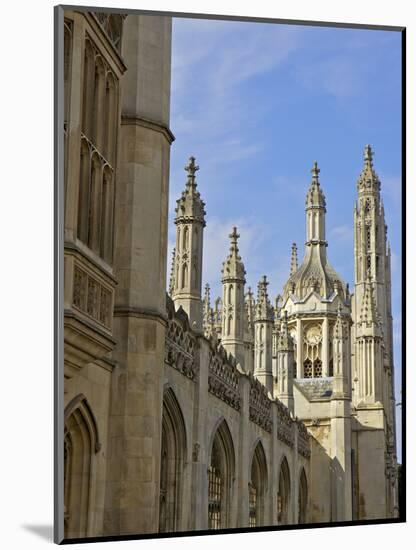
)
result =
(184, 416)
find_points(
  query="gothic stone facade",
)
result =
(182, 416)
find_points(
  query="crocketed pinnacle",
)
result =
(368, 180)
(172, 274)
(284, 340)
(315, 197)
(233, 267)
(339, 326)
(294, 259)
(207, 312)
(264, 311)
(190, 207)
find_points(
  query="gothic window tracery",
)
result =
(220, 477)
(257, 487)
(81, 442)
(312, 351)
(302, 498)
(172, 463)
(99, 125)
(283, 495)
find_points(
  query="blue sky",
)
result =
(256, 104)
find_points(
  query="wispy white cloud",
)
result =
(342, 233)
(208, 81)
(336, 76)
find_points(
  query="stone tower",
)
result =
(372, 269)
(373, 370)
(263, 326)
(313, 297)
(233, 280)
(187, 271)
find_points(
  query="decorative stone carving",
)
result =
(180, 343)
(91, 297)
(223, 379)
(195, 452)
(284, 429)
(304, 447)
(260, 405)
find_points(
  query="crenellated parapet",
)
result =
(223, 377)
(260, 405)
(181, 348)
(304, 446)
(285, 422)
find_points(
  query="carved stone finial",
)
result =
(368, 154)
(234, 236)
(191, 168)
(315, 172)
(172, 274)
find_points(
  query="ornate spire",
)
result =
(294, 259)
(315, 197)
(264, 310)
(172, 274)
(190, 207)
(368, 180)
(233, 267)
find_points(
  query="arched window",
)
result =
(172, 461)
(184, 275)
(220, 478)
(84, 195)
(257, 487)
(283, 496)
(307, 368)
(185, 238)
(107, 214)
(317, 368)
(88, 90)
(111, 117)
(303, 498)
(94, 216)
(99, 104)
(81, 442)
(230, 294)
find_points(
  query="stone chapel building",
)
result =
(181, 415)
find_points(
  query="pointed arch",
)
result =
(230, 295)
(221, 473)
(172, 463)
(185, 238)
(283, 495)
(184, 275)
(257, 486)
(303, 498)
(81, 443)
